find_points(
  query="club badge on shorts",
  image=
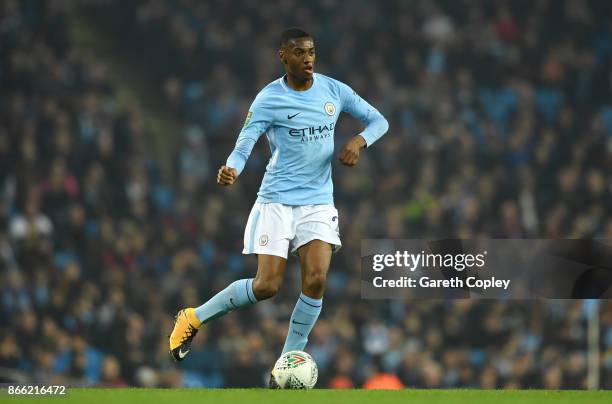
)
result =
(330, 108)
(263, 240)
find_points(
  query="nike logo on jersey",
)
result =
(292, 116)
(334, 218)
(182, 354)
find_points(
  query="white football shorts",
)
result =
(273, 228)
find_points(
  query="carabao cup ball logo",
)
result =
(330, 108)
(295, 360)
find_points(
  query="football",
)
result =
(295, 370)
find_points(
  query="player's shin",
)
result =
(237, 294)
(303, 319)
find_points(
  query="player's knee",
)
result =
(265, 288)
(315, 281)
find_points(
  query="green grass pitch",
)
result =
(320, 396)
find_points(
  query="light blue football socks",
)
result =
(240, 293)
(303, 319)
(237, 294)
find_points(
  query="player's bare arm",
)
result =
(349, 155)
(226, 175)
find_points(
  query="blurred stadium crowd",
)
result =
(501, 126)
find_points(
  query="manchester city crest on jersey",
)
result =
(330, 108)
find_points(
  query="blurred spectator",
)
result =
(380, 380)
(111, 373)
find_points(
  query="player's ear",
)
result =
(281, 56)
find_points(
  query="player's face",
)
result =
(300, 58)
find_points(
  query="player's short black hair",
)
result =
(292, 33)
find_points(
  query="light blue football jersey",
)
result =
(300, 127)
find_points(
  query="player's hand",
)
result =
(349, 155)
(226, 175)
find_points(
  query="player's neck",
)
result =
(298, 84)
